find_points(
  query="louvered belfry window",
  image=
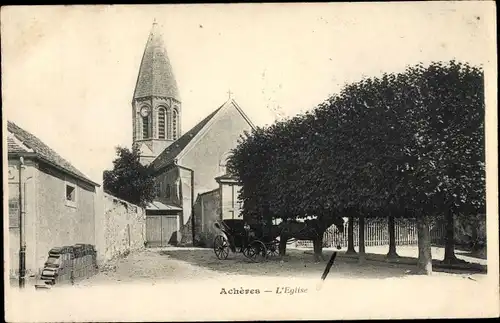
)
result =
(174, 125)
(161, 123)
(145, 127)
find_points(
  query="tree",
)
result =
(408, 144)
(129, 179)
(446, 157)
(291, 183)
(432, 141)
(428, 178)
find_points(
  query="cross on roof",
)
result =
(229, 93)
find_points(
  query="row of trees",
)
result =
(407, 144)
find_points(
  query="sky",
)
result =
(69, 72)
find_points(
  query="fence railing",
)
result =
(377, 234)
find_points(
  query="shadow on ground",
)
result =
(464, 250)
(461, 267)
(300, 263)
(478, 254)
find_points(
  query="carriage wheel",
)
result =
(273, 249)
(221, 247)
(256, 251)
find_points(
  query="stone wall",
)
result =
(122, 229)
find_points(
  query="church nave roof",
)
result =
(171, 152)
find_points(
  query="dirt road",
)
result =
(188, 284)
(182, 264)
(150, 266)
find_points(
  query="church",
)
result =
(189, 167)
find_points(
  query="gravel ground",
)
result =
(178, 284)
(179, 264)
(148, 266)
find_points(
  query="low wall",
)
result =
(122, 228)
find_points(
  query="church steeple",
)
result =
(156, 102)
(156, 77)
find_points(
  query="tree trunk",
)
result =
(361, 234)
(424, 246)
(392, 238)
(318, 249)
(282, 246)
(449, 241)
(350, 236)
(474, 236)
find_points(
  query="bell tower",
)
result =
(156, 105)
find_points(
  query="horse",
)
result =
(310, 229)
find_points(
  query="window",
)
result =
(70, 192)
(161, 123)
(169, 124)
(145, 127)
(174, 124)
(223, 163)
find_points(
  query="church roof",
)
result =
(22, 143)
(156, 77)
(172, 152)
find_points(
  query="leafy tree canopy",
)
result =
(129, 179)
(410, 142)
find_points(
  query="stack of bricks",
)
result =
(69, 263)
(85, 262)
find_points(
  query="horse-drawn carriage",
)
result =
(257, 242)
(254, 241)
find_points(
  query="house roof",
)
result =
(159, 206)
(21, 142)
(15, 147)
(172, 152)
(156, 76)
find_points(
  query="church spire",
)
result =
(156, 105)
(156, 77)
